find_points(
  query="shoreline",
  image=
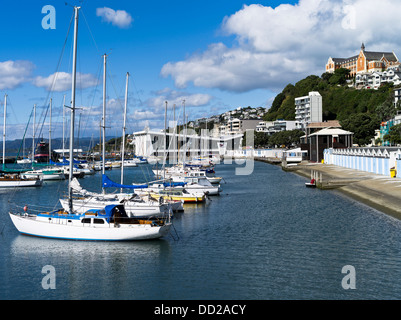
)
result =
(377, 191)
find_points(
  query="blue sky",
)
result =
(217, 55)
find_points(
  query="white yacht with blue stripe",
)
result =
(108, 224)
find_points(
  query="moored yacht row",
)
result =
(142, 214)
(149, 209)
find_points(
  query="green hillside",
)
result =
(353, 108)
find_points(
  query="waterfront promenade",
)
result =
(378, 191)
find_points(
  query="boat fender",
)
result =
(26, 208)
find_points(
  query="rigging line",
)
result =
(22, 141)
(115, 90)
(10, 107)
(133, 120)
(55, 76)
(90, 31)
(93, 96)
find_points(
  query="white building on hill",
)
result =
(308, 109)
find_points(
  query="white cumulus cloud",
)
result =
(276, 46)
(61, 81)
(119, 18)
(14, 73)
(177, 97)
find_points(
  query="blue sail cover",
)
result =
(107, 183)
(57, 163)
(193, 165)
(174, 184)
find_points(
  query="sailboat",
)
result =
(189, 171)
(9, 179)
(109, 223)
(134, 206)
(42, 157)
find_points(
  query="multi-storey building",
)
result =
(365, 61)
(272, 127)
(237, 126)
(373, 80)
(308, 109)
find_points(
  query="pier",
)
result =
(270, 160)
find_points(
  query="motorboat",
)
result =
(198, 185)
(17, 181)
(311, 184)
(45, 174)
(173, 193)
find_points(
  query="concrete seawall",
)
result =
(378, 191)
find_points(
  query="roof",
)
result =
(325, 124)
(295, 150)
(371, 55)
(331, 132)
(179, 135)
(340, 60)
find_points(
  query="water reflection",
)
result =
(93, 270)
(40, 246)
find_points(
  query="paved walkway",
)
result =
(378, 191)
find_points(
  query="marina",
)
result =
(253, 242)
(147, 165)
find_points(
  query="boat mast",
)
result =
(104, 119)
(74, 78)
(174, 147)
(165, 143)
(184, 127)
(4, 132)
(125, 120)
(50, 131)
(63, 124)
(33, 134)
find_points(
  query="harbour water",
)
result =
(265, 237)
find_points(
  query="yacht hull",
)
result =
(60, 229)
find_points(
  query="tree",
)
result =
(286, 138)
(394, 135)
(326, 76)
(260, 139)
(362, 125)
(386, 110)
(340, 76)
(339, 102)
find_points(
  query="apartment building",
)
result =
(237, 126)
(308, 109)
(272, 127)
